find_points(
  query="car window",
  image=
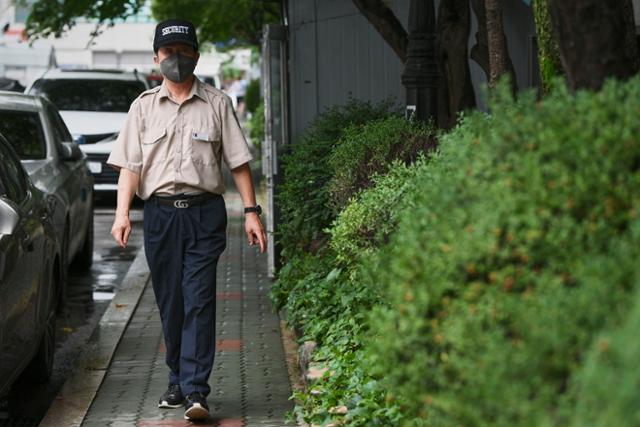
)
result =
(60, 131)
(89, 94)
(23, 130)
(14, 176)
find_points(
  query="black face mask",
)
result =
(178, 68)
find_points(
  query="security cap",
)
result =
(175, 31)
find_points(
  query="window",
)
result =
(15, 179)
(60, 131)
(24, 132)
(89, 94)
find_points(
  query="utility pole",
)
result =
(420, 75)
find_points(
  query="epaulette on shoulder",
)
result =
(149, 91)
(213, 90)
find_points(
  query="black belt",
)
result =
(182, 201)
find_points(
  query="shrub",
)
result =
(256, 129)
(517, 252)
(324, 286)
(368, 150)
(304, 196)
(368, 221)
(253, 98)
(330, 301)
(606, 389)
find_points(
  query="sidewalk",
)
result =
(249, 382)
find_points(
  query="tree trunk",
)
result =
(499, 59)
(592, 35)
(631, 39)
(548, 51)
(480, 51)
(456, 90)
(385, 22)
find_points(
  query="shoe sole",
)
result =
(166, 405)
(196, 412)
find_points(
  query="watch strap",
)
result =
(257, 209)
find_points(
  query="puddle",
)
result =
(116, 253)
(103, 296)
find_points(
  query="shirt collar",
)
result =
(197, 89)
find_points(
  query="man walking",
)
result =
(169, 152)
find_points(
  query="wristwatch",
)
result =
(257, 209)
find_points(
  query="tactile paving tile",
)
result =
(249, 381)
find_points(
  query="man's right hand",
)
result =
(121, 229)
(127, 184)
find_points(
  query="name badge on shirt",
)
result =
(201, 136)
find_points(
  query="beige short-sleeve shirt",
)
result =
(178, 148)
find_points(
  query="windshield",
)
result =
(89, 94)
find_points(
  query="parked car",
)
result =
(30, 275)
(11, 84)
(105, 177)
(93, 104)
(57, 166)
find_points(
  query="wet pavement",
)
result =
(87, 297)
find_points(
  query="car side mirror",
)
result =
(71, 151)
(9, 217)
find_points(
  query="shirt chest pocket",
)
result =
(154, 145)
(205, 145)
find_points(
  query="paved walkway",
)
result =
(249, 381)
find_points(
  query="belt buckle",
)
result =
(181, 204)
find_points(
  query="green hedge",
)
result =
(368, 222)
(606, 389)
(521, 247)
(256, 129)
(253, 97)
(304, 195)
(330, 301)
(320, 286)
(493, 284)
(367, 150)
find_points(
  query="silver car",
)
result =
(57, 166)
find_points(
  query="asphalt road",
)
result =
(88, 295)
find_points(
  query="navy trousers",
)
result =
(182, 247)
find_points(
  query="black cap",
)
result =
(175, 31)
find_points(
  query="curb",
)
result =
(290, 345)
(72, 403)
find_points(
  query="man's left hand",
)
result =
(255, 231)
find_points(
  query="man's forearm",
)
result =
(244, 184)
(127, 186)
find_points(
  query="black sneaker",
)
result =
(197, 408)
(172, 398)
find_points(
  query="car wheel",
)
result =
(84, 259)
(40, 367)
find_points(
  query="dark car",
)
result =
(57, 166)
(30, 273)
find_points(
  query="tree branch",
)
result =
(387, 24)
